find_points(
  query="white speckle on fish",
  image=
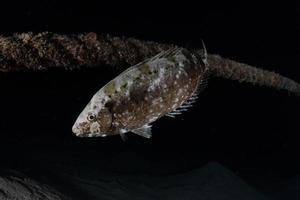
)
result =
(142, 94)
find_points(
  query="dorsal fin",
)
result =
(162, 54)
(204, 54)
(170, 52)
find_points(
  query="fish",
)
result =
(164, 85)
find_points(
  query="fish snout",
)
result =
(76, 130)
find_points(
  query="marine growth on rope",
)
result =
(165, 84)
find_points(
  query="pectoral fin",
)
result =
(144, 131)
(122, 134)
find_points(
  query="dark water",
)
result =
(238, 141)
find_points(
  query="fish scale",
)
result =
(142, 94)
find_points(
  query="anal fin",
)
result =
(184, 106)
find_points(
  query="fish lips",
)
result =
(78, 133)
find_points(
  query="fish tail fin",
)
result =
(229, 69)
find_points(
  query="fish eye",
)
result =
(91, 117)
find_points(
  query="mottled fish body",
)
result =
(161, 85)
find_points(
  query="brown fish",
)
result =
(165, 84)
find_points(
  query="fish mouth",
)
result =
(76, 131)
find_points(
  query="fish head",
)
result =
(95, 120)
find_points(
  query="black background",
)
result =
(253, 131)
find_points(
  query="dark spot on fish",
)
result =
(124, 85)
(169, 66)
(144, 68)
(138, 78)
(109, 104)
(171, 59)
(137, 96)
